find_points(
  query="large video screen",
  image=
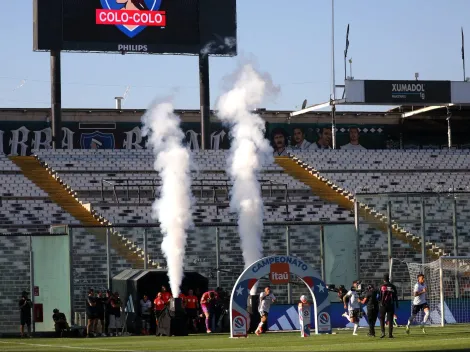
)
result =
(144, 26)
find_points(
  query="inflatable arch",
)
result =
(278, 267)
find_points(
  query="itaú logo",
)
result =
(131, 16)
(279, 273)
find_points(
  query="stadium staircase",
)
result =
(49, 181)
(326, 190)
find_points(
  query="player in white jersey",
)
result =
(351, 302)
(419, 303)
(265, 300)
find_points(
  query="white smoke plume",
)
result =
(173, 208)
(219, 45)
(249, 151)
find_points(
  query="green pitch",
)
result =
(455, 338)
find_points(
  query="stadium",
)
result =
(348, 196)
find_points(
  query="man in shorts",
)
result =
(265, 299)
(351, 302)
(419, 303)
(208, 301)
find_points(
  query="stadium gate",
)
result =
(279, 264)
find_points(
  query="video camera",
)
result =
(360, 289)
(341, 290)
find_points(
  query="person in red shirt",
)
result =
(159, 305)
(208, 301)
(183, 299)
(191, 309)
(166, 296)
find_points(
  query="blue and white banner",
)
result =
(285, 316)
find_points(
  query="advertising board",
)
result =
(136, 26)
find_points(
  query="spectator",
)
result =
(145, 310)
(60, 322)
(324, 140)
(298, 140)
(25, 305)
(115, 315)
(91, 312)
(353, 139)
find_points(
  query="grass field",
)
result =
(456, 338)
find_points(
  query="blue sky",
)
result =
(289, 39)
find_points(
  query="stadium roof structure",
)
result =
(190, 115)
(430, 112)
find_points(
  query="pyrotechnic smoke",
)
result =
(219, 45)
(173, 208)
(248, 153)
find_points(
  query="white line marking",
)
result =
(67, 347)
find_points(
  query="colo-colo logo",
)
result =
(408, 87)
(292, 261)
(131, 16)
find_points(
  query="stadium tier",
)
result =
(121, 185)
(406, 179)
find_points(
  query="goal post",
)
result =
(448, 287)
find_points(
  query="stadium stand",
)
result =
(117, 187)
(377, 177)
(106, 181)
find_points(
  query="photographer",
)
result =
(60, 322)
(221, 308)
(25, 306)
(91, 312)
(352, 303)
(115, 323)
(100, 312)
(107, 310)
(371, 299)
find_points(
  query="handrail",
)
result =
(212, 185)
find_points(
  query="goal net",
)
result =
(448, 288)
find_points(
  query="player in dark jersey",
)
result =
(372, 302)
(388, 300)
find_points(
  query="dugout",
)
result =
(133, 283)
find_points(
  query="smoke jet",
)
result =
(173, 208)
(248, 153)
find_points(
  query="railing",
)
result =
(198, 186)
(128, 183)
